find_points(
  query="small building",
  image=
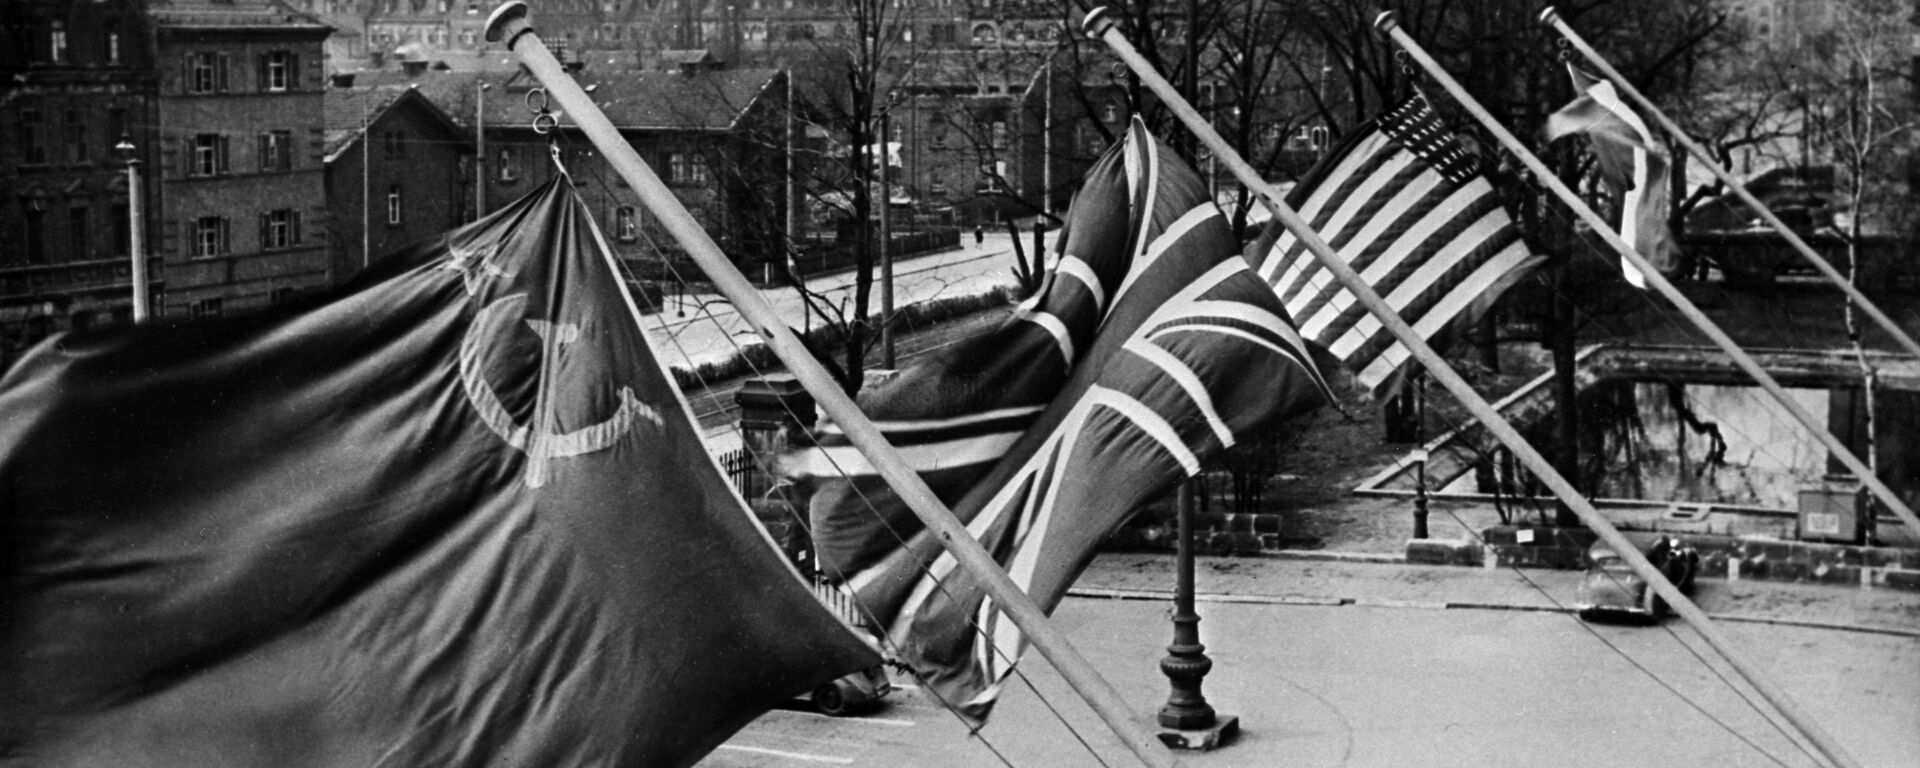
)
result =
(398, 170)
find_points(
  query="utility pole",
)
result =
(886, 240)
(136, 234)
(480, 149)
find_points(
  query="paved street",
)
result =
(1387, 675)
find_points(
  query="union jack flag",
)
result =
(1192, 351)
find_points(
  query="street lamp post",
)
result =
(1187, 721)
(136, 234)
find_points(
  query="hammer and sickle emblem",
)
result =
(540, 441)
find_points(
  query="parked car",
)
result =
(852, 693)
(1613, 590)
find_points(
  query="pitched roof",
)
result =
(350, 110)
(632, 100)
(233, 14)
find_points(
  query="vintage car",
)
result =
(852, 693)
(1612, 590)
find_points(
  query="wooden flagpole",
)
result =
(1390, 26)
(1551, 18)
(508, 22)
(1102, 27)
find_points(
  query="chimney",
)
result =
(413, 68)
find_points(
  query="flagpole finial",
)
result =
(504, 17)
(1386, 22)
(1098, 21)
(1549, 16)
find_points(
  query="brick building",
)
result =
(75, 77)
(243, 195)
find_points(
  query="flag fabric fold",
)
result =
(1403, 203)
(1185, 351)
(452, 513)
(1630, 161)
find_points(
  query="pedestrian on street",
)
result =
(979, 236)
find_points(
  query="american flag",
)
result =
(1402, 203)
(1192, 352)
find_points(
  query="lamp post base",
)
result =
(1224, 728)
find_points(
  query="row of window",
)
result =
(211, 72)
(211, 154)
(213, 235)
(39, 224)
(53, 44)
(69, 141)
(683, 168)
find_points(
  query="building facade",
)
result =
(243, 187)
(398, 172)
(76, 77)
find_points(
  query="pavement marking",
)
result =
(829, 759)
(887, 721)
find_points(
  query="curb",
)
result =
(1102, 593)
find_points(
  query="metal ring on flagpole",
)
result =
(540, 93)
(545, 122)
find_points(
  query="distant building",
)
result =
(75, 77)
(398, 172)
(714, 135)
(243, 190)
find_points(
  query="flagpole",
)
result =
(1390, 26)
(1102, 27)
(1552, 18)
(509, 23)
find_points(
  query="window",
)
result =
(122, 230)
(210, 236)
(279, 228)
(943, 34)
(626, 226)
(984, 34)
(393, 205)
(276, 71)
(508, 165)
(76, 131)
(206, 72)
(33, 145)
(686, 168)
(393, 144)
(116, 123)
(207, 155)
(113, 45)
(208, 307)
(79, 234)
(937, 182)
(36, 232)
(57, 43)
(999, 134)
(1110, 112)
(276, 151)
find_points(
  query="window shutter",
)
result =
(296, 226)
(186, 73)
(220, 69)
(261, 151)
(260, 72)
(293, 71)
(189, 238)
(186, 168)
(225, 154)
(226, 235)
(266, 223)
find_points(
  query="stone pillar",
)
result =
(775, 412)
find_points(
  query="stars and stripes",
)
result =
(1402, 203)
